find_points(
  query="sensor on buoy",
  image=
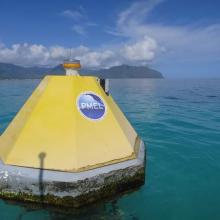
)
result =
(71, 67)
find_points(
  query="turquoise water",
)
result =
(180, 122)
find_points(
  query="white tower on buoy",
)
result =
(71, 66)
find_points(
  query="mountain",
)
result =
(125, 71)
(11, 71)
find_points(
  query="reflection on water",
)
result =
(180, 122)
(109, 210)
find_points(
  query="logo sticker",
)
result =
(91, 106)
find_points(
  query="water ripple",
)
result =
(179, 120)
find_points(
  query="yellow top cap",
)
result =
(71, 64)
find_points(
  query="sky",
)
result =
(180, 38)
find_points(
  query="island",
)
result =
(11, 71)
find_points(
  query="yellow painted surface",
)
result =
(50, 122)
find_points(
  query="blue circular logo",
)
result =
(91, 106)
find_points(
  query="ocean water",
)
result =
(179, 120)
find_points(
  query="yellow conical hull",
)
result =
(51, 123)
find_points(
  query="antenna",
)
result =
(71, 54)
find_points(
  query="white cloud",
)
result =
(137, 51)
(79, 29)
(80, 19)
(136, 12)
(76, 15)
(143, 50)
(36, 54)
(184, 43)
(143, 43)
(24, 54)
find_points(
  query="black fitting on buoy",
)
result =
(104, 83)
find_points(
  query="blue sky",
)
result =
(179, 38)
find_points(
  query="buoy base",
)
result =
(71, 189)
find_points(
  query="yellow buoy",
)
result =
(70, 144)
(51, 122)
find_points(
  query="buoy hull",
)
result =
(72, 189)
(70, 145)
